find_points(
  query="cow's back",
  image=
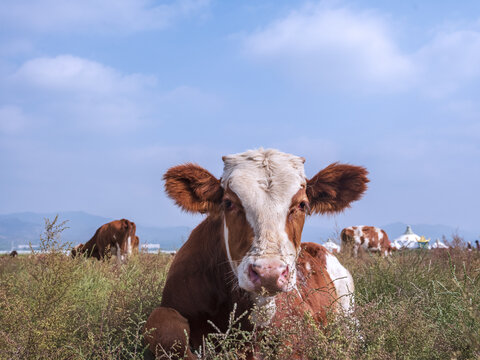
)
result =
(369, 238)
(323, 286)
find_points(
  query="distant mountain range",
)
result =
(24, 228)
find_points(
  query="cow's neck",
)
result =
(201, 286)
(202, 265)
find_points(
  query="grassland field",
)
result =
(413, 305)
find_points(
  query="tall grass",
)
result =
(415, 305)
(55, 307)
(419, 304)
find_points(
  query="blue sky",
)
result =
(99, 98)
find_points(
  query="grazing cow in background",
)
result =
(136, 245)
(367, 237)
(117, 237)
(477, 244)
(14, 253)
(248, 250)
(77, 250)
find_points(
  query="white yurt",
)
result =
(438, 245)
(409, 240)
(396, 244)
(331, 246)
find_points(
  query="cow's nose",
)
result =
(269, 275)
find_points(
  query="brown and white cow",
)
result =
(117, 237)
(366, 237)
(248, 250)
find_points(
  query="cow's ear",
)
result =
(335, 187)
(193, 188)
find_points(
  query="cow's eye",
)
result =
(228, 204)
(303, 206)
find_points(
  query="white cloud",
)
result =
(333, 47)
(87, 95)
(338, 48)
(84, 92)
(93, 15)
(70, 73)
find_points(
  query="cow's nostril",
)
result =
(253, 275)
(272, 276)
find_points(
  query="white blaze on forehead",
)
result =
(265, 181)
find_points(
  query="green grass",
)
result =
(55, 307)
(419, 305)
(415, 305)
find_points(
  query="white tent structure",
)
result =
(409, 240)
(438, 245)
(331, 246)
(396, 244)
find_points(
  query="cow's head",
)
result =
(76, 250)
(263, 198)
(127, 229)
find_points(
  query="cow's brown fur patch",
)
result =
(296, 217)
(240, 233)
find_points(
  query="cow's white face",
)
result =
(262, 200)
(264, 193)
